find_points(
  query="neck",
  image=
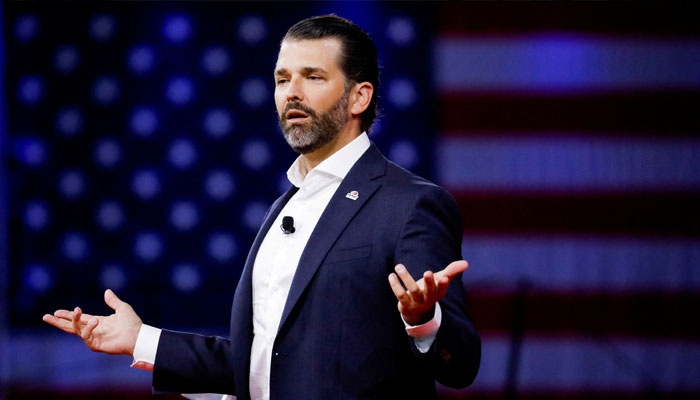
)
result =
(345, 136)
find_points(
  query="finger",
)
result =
(453, 269)
(77, 313)
(443, 283)
(61, 324)
(397, 288)
(430, 287)
(429, 280)
(64, 314)
(90, 327)
(68, 315)
(407, 280)
(112, 300)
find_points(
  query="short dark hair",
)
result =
(358, 55)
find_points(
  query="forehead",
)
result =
(317, 53)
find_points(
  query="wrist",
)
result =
(420, 319)
(135, 337)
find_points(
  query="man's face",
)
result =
(310, 93)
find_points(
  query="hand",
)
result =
(115, 334)
(417, 300)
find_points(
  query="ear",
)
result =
(360, 97)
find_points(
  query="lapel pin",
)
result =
(352, 195)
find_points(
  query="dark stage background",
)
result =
(140, 151)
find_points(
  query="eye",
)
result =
(281, 81)
(315, 77)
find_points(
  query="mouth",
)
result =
(296, 116)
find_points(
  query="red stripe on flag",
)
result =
(597, 314)
(620, 114)
(628, 213)
(662, 19)
(450, 394)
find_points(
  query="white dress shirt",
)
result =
(276, 264)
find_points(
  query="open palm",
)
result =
(113, 334)
(417, 299)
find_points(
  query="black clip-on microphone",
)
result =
(287, 225)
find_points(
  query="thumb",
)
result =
(112, 300)
(453, 269)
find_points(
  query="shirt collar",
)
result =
(338, 164)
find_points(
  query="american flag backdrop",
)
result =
(140, 150)
(569, 136)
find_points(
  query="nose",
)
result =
(294, 90)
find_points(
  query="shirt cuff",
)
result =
(146, 347)
(424, 335)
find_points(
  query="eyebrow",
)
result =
(305, 70)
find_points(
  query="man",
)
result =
(313, 316)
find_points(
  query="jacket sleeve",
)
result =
(190, 363)
(430, 239)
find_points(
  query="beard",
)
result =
(319, 131)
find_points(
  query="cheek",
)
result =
(279, 104)
(280, 95)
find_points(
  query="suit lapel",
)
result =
(242, 310)
(275, 209)
(336, 216)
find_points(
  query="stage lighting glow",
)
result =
(26, 27)
(30, 151)
(145, 184)
(221, 247)
(105, 90)
(401, 30)
(219, 185)
(404, 153)
(112, 276)
(256, 154)
(177, 28)
(38, 278)
(110, 215)
(253, 215)
(75, 246)
(148, 246)
(216, 61)
(103, 27)
(179, 91)
(254, 92)
(185, 277)
(252, 29)
(71, 184)
(30, 90)
(69, 121)
(144, 121)
(184, 215)
(36, 215)
(218, 123)
(107, 153)
(141, 59)
(66, 59)
(182, 153)
(402, 93)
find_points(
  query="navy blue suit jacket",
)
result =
(341, 335)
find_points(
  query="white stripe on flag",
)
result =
(566, 263)
(565, 62)
(515, 162)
